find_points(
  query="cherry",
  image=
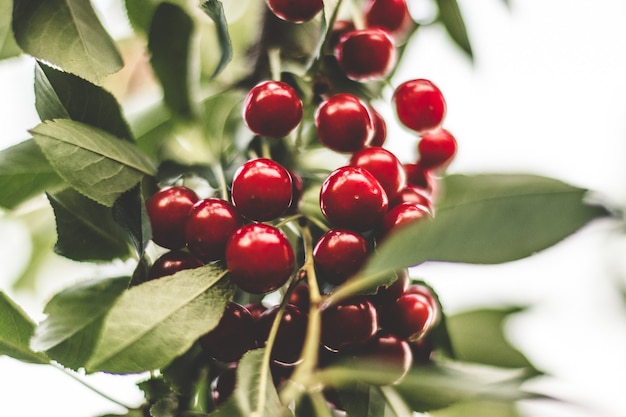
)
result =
(420, 105)
(232, 337)
(209, 225)
(256, 309)
(167, 210)
(380, 129)
(301, 297)
(223, 385)
(272, 109)
(262, 190)
(420, 177)
(384, 166)
(340, 28)
(352, 198)
(422, 350)
(427, 293)
(436, 148)
(352, 322)
(297, 188)
(259, 257)
(399, 216)
(291, 333)
(295, 11)
(389, 354)
(343, 123)
(338, 254)
(388, 295)
(171, 262)
(366, 54)
(391, 15)
(409, 317)
(414, 195)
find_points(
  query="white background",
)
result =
(546, 95)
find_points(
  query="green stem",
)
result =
(221, 179)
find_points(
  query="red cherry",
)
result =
(171, 262)
(256, 309)
(432, 299)
(384, 166)
(259, 257)
(388, 295)
(414, 195)
(291, 333)
(400, 216)
(391, 15)
(340, 28)
(297, 188)
(409, 317)
(261, 190)
(232, 337)
(380, 129)
(421, 177)
(343, 123)
(390, 355)
(223, 385)
(420, 105)
(301, 297)
(167, 210)
(436, 148)
(339, 254)
(272, 109)
(209, 225)
(352, 322)
(295, 11)
(366, 54)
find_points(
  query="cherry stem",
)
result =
(288, 220)
(218, 170)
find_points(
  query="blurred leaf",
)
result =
(395, 403)
(221, 120)
(131, 413)
(169, 43)
(61, 95)
(479, 408)
(97, 164)
(141, 12)
(129, 212)
(215, 10)
(68, 34)
(16, 329)
(152, 127)
(86, 230)
(74, 320)
(8, 46)
(24, 173)
(154, 322)
(450, 16)
(362, 400)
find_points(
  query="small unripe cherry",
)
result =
(436, 148)
(366, 54)
(343, 123)
(420, 105)
(272, 109)
(167, 210)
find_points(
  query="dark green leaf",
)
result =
(86, 230)
(479, 408)
(215, 11)
(450, 16)
(16, 329)
(362, 400)
(154, 322)
(74, 320)
(61, 95)
(68, 34)
(169, 44)
(129, 212)
(8, 46)
(140, 12)
(24, 173)
(97, 164)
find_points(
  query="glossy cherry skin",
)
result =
(409, 317)
(256, 309)
(366, 54)
(388, 295)
(400, 216)
(295, 11)
(432, 299)
(167, 210)
(223, 385)
(352, 198)
(384, 166)
(436, 148)
(391, 15)
(301, 297)
(389, 354)
(421, 177)
(380, 129)
(297, 188)
(338, 254)
(414, 195)
(261, 190)
(272, 109)
(259, 257)
(171, 262)
(232, 337)
(420, 105)
(343, 123)
(352, 322)
(291, 333)
(340, 28)
(209, 225)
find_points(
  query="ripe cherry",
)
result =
(272, 109)
(420, 105)
(427, 293)
(338, 254)
(380, 129)
(171, 262)
(223, 385)
(409, 317)
(340, 28)
(352, 198)
(388, 354)
(209, 225)
(259, 257)
(388, 295)
(297, 188)
(366, 54)
(414, 195)
(384, 166)
(256, 309)
(295, 11)
(343, 123)
(232, 337)
(167, 210)
(436, 148)
(421, 177)
(400, 216)
(261, 190)
(391, 15)
(291, 333)
(352, 322)
(301, 297)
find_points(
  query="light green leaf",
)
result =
(74, 320)
(450, 16)
(8, 46)
(215, 10)
(154, 322)
(97, 164)
(16, 329)
(68, 34)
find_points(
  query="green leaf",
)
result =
(68, 34)
(16, 329)
(169, 43)
(153, 323)
(86, 230)
(450, 16)
(97, 164)
(215, 11)
(129, 212)
(24, 173)
(479, 408)
(362, 400)
(8, 46)
(61, 95)
(74, 320)
(140, 12)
